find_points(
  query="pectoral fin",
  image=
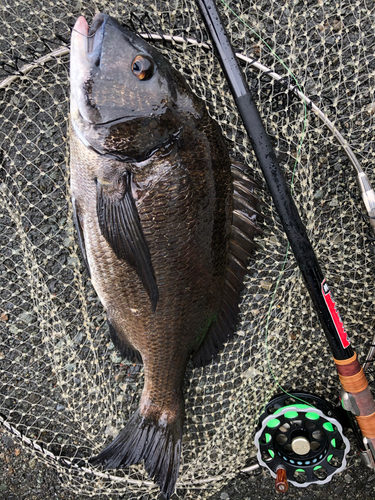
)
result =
(81, 240)
(120, 225)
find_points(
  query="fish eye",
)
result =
(143, 67)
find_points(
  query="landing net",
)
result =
(64, 388)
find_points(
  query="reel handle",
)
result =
(281, 484)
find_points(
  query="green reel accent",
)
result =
(305, 439)
(291, 414)
(273, 423)
(299, 406)
(312, 416)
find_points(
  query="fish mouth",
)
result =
(95, 37)
(90, 39)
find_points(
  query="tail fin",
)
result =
(157, 442)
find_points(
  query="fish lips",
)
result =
(83, 51)
(95, 39)
(87, 42)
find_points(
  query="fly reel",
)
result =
(304, 438)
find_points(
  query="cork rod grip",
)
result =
(353, 380)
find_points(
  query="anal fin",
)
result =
(241, 245)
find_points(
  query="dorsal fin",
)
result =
(241, 245)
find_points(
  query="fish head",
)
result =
(126, 99)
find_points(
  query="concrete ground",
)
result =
(24, 477)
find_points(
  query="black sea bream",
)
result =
(165, 222)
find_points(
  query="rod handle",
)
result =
(354, 382)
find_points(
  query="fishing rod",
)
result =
(355, 395)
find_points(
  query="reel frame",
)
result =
(306, 440)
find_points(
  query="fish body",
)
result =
(155, 196)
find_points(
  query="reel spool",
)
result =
(305, 439)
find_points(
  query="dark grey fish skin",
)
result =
(165, 222)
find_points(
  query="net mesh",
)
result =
(62, 384)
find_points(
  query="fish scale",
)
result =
(152, 190)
